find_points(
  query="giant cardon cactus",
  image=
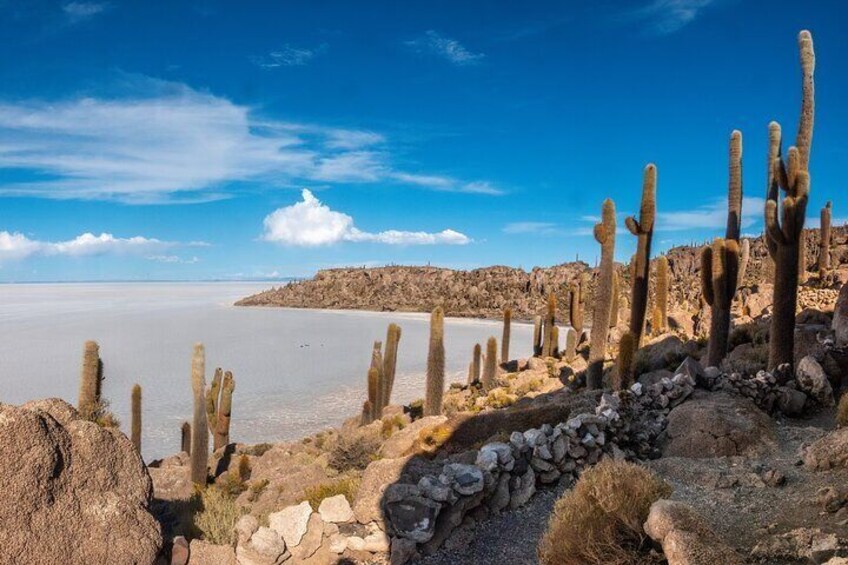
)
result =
(643, 229)
(605, 235)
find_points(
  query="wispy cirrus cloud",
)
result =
(289, 56)
(79, 11)
(664, 17)
(310, 223)
(17, 246)
(539, 228)
(434, 43)
(712, 215)
(179, 145)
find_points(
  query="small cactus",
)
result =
(185, 438)
(377, 365)
(605, 235)
(785, 223)
(393, 334)
(555, 342)
(643, 229)
(624, 363)
(570, 345)
(490, 365)
(135, 419)
(615, 306)
(91, 379)
(744, 257)
(435, 364)
(507, 322)
(662, 294)
(373, 401)
(219, 406)
(550, 321)
(824, 244)
(475, 365)
(199, 429)
(719, 268)
(576, 299)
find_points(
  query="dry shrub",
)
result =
(257, 450)
(347, 486)
(391, 425)
(217, 516)
(500, 398)
(842, 411)
(434, 437)
(353, 451)
(600, 519)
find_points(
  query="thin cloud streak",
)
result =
(434, 43)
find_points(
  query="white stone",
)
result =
(355, 543)
(336, 509)
(291, 522)
(378, 542)
(337, 543)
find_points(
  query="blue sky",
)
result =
(211, 139)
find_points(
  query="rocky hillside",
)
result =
(484, 293)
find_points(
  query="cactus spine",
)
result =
(435, 364)
(91, 379)
(507, 323)
(490, 365)
(135, 418)
(185, 437)
(643, 229)
(605, 235)
(624, 363)
(537, 336)
(550, 321)
(662, 294)
(219, 407)
(784, 234)
(824, 244)
(199, 430)
(390, 363)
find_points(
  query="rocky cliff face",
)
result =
(484, 293)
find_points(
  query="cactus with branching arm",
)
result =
(643, 229)
(605, 235)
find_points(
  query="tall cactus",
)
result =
(91, 379)
(185, 438)
(507, 330)
(219, 407)
(624, 363)
(643, 229)
(377, 365)
(550, 321)
(802, 261)
(824, 243)
(537, 336)
(614, 308)
(474, 376)
(135, 417)
(605, 235)
(490, 365)
(390, 363)
(555, 341)
(435, 364)
(662, 294)
(372, 405)
(199, 429)
(723, 264)
(785, 234)
(744, 257)
(576, 298)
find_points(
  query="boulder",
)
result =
(291, 522)
(402, 441)
(376, 477)
(311, 541)
(73, 491)
(654, 377)
(265, 547)
(718, 425)
(828, 452)
(411, 515)
(662, 352)
(335, 509)
(812, 380)
(685, 536)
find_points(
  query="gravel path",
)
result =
(508, 538)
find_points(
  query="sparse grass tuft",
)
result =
(500, 398)
(391, 425)
(432, 438)
(600, 519)
(216, 516)
(347, 486)
(353, 451)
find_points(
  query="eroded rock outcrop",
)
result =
(73, 492)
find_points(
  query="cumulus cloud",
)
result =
(176, 144)
(77, 11)
(310, 223)
(17, 246)
(449, 49)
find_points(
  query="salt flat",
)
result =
(296, 371)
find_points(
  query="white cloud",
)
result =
(289, 56)
(542, 228)
(310, 223)
(452, 50)
(181, 145)
(664, 17)
(173, 259)
(16, 246)
(713, 215)
(77, 11)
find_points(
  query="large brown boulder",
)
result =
(829, 452)
(718, 425)
(685, 536)
(73, 492)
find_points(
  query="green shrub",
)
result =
(600, 519)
